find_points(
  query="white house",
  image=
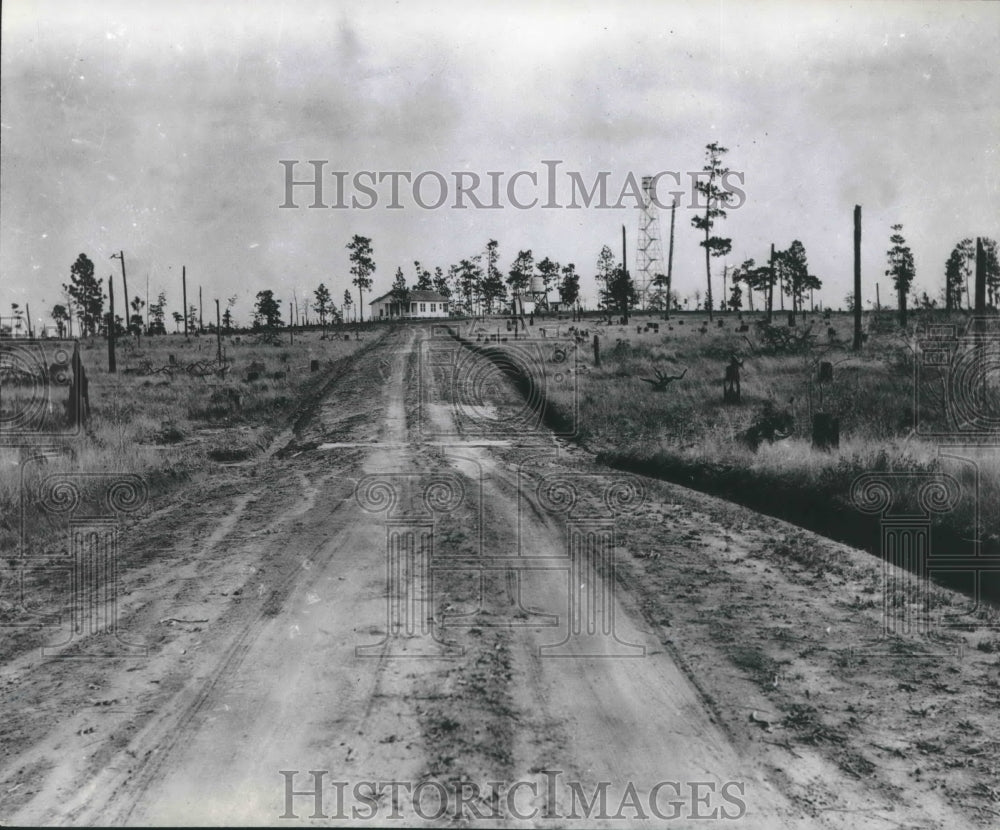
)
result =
(419, 304)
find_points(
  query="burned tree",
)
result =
(771, 425)
(78, 403)
(662, 379)
(857, 279)
(731, 391)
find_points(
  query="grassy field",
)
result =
(171, 420)
(169, 414)
(687, 433)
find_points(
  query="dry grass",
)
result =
(165, 426)
(689, 434)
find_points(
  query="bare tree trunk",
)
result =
(624, 306)
(708, 268)
(770, 288)
(857, 278)
(78, 404)
(112, 367)
(121, 255)
(781, 286)
(670, 256)
(980, 276)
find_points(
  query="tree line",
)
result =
(477, 285)
(473, 285)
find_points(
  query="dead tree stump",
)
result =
(731, 392)
(78, 405)
(825, 431)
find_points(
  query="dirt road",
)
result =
(405, 591)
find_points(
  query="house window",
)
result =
(433, 307)
(423, 306)
(413, 308)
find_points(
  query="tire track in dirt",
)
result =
(278, 683)
(167, 731)
(818, 792)
(561, 706)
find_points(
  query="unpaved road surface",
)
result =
(407, 600)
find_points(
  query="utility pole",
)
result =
(291, 329)
(201, 319)
(725, 272)
(878, 299)
(184, 291)
(147, 301)
(112, 368)
(121, 255)
(857, 278)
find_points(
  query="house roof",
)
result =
(416, 296)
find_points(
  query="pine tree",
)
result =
(717, 198)
(901, 269)
(323, 303)
(362, 267)
(521, 271)
(400, 293)
(569, 288)
(87, 293)
(494, 289)
(423, 281)
(605, 270)
(267, 312)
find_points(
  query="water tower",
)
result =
(536, 297)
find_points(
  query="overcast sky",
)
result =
(157, 128)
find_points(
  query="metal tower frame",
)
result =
(649, 247)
